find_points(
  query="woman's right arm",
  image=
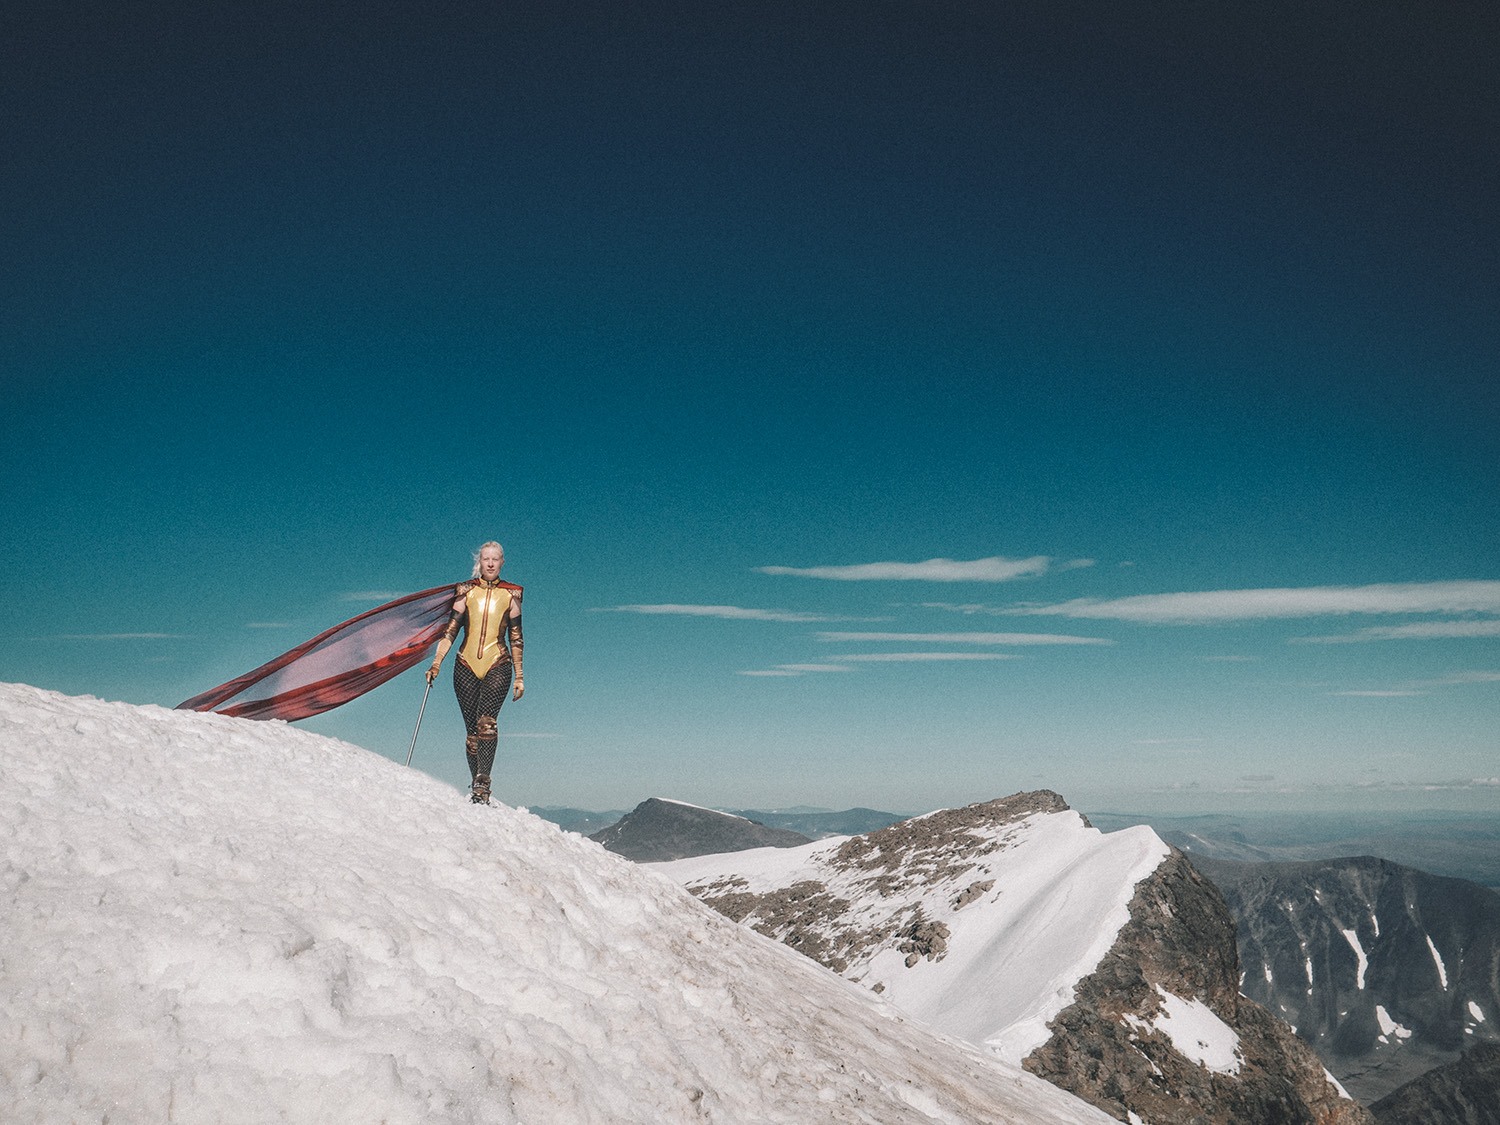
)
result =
(445, 642)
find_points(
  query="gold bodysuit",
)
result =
(484, 644)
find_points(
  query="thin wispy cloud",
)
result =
(798, 670)
(114, 637)
(1425, 687)
(968, 609)
(372, 595)
(1455, 678)
(997, 568)
(920, 657)
(1415, 631)
(722, 612)
(1213, 606)
(1388, 693)
(268, 625)
(967, 638)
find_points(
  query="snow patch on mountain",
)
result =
(1437, 959)
(1336, 1084)
(1361, 961)
(1389, 1027)
(213, 919)
(1195, 1031)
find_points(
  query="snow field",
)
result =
(212, 919)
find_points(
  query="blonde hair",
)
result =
(482, 548)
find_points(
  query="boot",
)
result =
(481, 794)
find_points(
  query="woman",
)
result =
(489, 610)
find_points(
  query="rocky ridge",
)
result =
(1153, 1025)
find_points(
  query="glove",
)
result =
(437, 661)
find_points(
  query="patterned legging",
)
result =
(480, 701)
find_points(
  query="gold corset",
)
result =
(483, 639)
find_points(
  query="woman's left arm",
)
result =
(514, 616)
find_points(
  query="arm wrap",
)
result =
(445, 642)
(515, 644)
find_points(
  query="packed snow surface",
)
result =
(1058, 895)
(212, 919)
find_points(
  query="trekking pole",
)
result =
(412, 748)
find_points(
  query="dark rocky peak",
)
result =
(657, 830)
(1388, 971)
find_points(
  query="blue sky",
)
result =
(882, 404)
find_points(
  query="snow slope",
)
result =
(1028, 907)
(210, 919)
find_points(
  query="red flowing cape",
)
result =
(337, 665)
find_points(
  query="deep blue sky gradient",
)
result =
(304, 302)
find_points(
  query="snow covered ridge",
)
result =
(898, 910)
(210, 919)
(1104, 962)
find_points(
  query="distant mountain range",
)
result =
(815, 824)
(1457, 844)
(818, 824)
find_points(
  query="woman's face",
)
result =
(490, 562)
